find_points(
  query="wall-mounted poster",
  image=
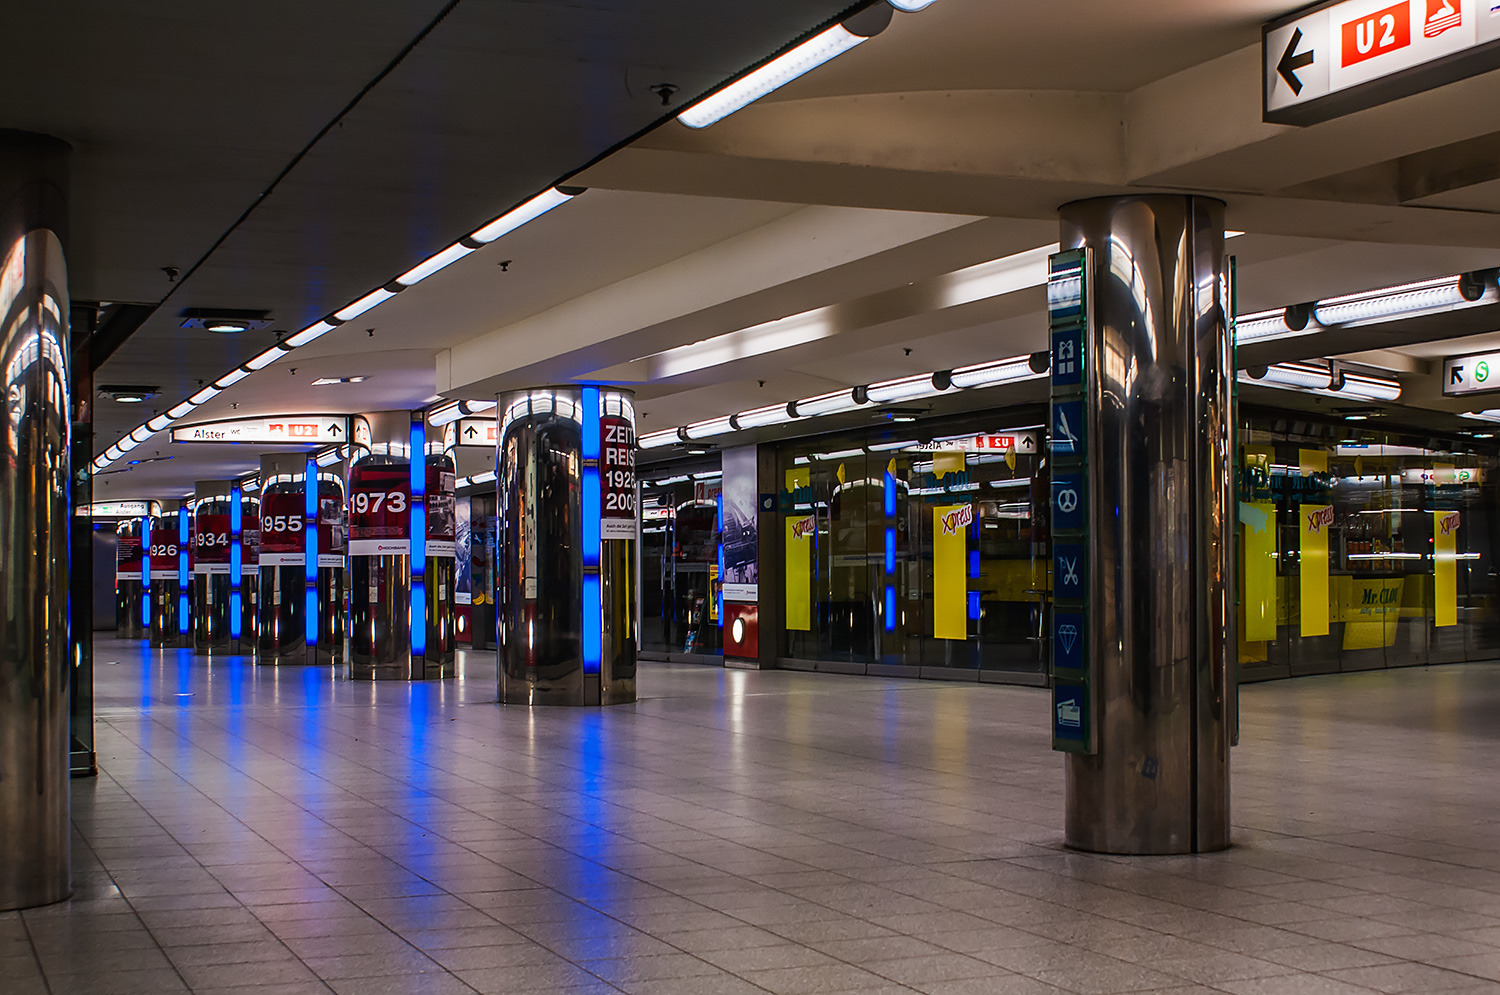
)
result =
(741, 532)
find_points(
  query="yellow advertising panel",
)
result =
(1445, 568)
(800, 528)
(1370, 608)
(1258, 559)
(1314, 523)
(950, 570)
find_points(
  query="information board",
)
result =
(442, 512)
(211, 544)
(380, 510)
(617, 514)
(282, 521)
(128, 557)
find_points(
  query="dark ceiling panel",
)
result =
(181, 114)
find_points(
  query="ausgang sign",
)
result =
(1478, 374)
(305, 430)
(1339, 57)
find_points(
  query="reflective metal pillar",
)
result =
(130, 612)
(565, 572)
(171, 603)
(212, 582)
(1160, 369)
(35, 867)
(400, 551)
(247, 640)
(301, 587)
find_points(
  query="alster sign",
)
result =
(300, 429)
(1339, 57)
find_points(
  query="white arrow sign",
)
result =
(1478, 374)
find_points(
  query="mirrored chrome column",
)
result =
(1159, 488)
(171, 534)
(248, 640)
(131, 612)
(283, 560)
(565, 570)
(211, 567)
(35, 522)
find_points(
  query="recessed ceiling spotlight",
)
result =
(224, 321)
(326, 381)
(129, 393)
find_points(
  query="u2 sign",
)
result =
(1345, 55)
(1476, 374)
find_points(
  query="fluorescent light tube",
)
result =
(231, 378)
(710, 427)
(1372, 388)
(655, 440)
(1293, 376)
(374, 298)
(268, 357)
(998, 372)
(422, 271)
(185, 408)
(826, 404)
(488, 477)
(912, 6)
(771, 414)
(532, 209)
(904, 389)
(158, 423)
(310, 333)
(205, 395)
(441, 416)
(1263, 325)
(142, 433)
(1405, 301)
(770, 77)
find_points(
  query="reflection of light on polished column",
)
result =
(35, 867)
(1158, 690)
(565, 584)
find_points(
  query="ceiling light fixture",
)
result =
(227, 327)
(826, 404)
(655, 440)
(903, 389)
(1448, 293)
(330, 381)
(789, 65)
(1000, 371)
(528, 211)
(1329, 380)
(912, 6)
(710, 427)
(771, 414)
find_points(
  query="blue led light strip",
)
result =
(592, 507)
(184, 537)
(890, 552)
(310, 549)
(146, 572)
(418, 534)
(236, 511)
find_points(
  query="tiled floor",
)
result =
(280, 832)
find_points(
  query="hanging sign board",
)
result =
(380, 510)
(312, 430)
(1341, 57)
(1477, 374)
(114, 509)
(477, 432)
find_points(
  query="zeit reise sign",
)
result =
(1336, 58)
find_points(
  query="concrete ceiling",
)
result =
(944, 143)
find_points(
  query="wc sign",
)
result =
(1340, 57)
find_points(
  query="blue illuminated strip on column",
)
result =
(184, 536)
(146, 572)
(310, 549)
(591, 510)
(593, 624)
(236, 504)
(418, 535)
(889, 491)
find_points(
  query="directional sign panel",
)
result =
(477, 432)
(1344, 56)
(1478, 374)
(314, 430)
